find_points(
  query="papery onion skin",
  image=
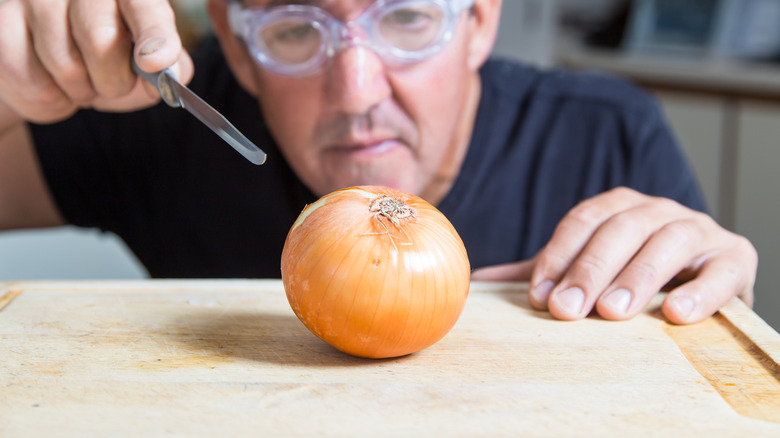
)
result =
(369, 287)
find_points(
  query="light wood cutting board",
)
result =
(229, 358)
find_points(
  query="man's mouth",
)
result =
(367, 149)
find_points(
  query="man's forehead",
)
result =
(325, 4)
(342, 9)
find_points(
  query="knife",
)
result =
(177, 95)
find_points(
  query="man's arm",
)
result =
(25, 201)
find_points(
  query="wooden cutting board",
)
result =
(229, 358)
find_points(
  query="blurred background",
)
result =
(714, 65)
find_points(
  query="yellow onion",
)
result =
(375, 272)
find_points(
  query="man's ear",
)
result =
(483, 28)
(238, 58)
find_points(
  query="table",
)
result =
(229, 358)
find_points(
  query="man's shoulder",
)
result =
(515, 80)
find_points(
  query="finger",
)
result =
(517, 271)
(144, 94)
(570, 237)
(719, 277)
(25, 85)
(611, 247)
(56, 50)
(152, 26)
(675, 247)
(105, 45)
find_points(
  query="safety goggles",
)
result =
(298, 40)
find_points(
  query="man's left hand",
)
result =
(615, 251)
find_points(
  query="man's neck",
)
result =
(452, 163)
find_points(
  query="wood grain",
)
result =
(229, 358)
(8, 296)
(746, 377)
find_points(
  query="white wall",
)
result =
(758, 200)
(527, 31)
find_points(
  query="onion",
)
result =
(375, 272)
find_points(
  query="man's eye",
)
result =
(409, 19)
(295, 33)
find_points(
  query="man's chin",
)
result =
(395, 168)
(398, 180)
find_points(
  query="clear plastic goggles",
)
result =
(298, 40)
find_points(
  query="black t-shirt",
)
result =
(190, 206)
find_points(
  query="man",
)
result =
(400, 95)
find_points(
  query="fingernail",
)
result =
(571, 300)
(541, 291)
(151, 46)
(684, 305)
(618, 300)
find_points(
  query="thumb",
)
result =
(152, 25)
(515, 271)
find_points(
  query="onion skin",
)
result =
(370, 287)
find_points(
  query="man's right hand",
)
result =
(61, 55)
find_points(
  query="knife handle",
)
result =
(161, 81)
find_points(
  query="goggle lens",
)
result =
(292, 41)
(412, 28)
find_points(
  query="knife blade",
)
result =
(176, 95)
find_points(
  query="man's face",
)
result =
(361, 121)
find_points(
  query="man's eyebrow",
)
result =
(293, 2)
(273, 3)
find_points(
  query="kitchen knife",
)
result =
(178, 96)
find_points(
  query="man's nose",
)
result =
(356, 80)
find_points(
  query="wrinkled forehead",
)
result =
(343, 9)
